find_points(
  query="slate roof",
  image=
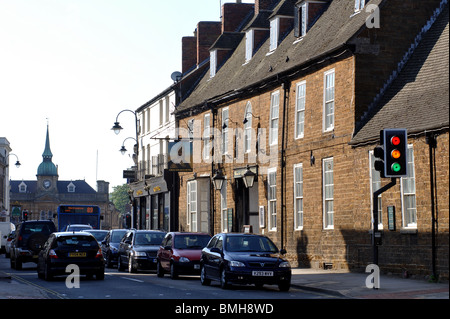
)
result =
(81, 187)
(332, 31)
(418, 99)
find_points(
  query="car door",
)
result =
(166, 252)
(42, 258)
(124, 247)
(212, 255)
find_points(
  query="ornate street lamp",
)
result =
(117, 128)
(218, 180)
(249, 178)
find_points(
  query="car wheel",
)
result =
(159, 270)
(47, 273)
(131, 268)
(120, 266)
(173, 271)
(203, 280)
(284, 285)
(223, 280)
(100, 275)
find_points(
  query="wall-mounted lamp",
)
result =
(218, 180)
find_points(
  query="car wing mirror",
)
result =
(283, 251)
(168, 247)
(216, 250)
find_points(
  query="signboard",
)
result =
(180, 156)
(230, 219)
(129, 174)
(391, 217)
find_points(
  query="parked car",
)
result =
(138, 249)
(244, 259)
(65, 248)
(180, 253)
(8, 243)
(98, 233)
(110, 246)
(5, 229)
(28, 241)
(78, 227)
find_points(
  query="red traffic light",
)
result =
(395, 140)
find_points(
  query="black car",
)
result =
(110, 246)
(244, 259)
(98, 233)
(66, 248)
(29, 240)
(138, 250)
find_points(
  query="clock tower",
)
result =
(47, 173)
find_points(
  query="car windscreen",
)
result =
(250, 243)
(149, 238)
(31, 228)
(191, 241)
(76, 241)
(117, 236)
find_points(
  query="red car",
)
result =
(180, 253)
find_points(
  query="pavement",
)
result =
(336, 283)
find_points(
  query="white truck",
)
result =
(5, 229)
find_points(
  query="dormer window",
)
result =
(22, 188)
(249, 36)
(213, 63)
(359, 5)
(71, 188)
(274, 32)
(306, 14)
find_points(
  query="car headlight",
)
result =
(184, 260)
(235, 263)
(284, 264)
(139, 254)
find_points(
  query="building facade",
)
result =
(293, 103)
(42, 196)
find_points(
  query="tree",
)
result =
(120, 197)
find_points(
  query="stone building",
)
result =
(299, 103)
(41, 197)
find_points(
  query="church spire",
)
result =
(47, 151)
(47, 168)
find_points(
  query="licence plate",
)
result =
(77, 254)
(262, 273)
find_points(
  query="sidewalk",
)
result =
(13, 289)
(346, 284)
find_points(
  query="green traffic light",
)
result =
(396, 167)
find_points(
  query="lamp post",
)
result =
(17, 162)
(117, 128)
(218, 180)
(249, 178)
(123, 150)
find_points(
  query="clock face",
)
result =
(47, 184)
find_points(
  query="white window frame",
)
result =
(327, 100)
(359, 5)
(225, 117)
(409, 191)
(224, 207)
(249, 40)
(274, 117)
(206, 136)
(212, 63)
(303, 19)
(248, 128)
(274, 33)
(272, 198)
(328, 215)
(300, 106)
(192, 207)
(298, 198)
(375, 184)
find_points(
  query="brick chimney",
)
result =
(233, 14)
(263, 5)
(207, 34)
(188, 53)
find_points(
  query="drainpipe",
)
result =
(432, 144)
(286, 85)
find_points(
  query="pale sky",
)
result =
(76, 64)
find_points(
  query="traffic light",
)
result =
(378, 152)
(127, 221)
(25, 215)
(395, 142)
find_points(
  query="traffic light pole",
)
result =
(375, 217)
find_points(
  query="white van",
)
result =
(5, 229)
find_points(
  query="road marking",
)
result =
(132, 279)
(57, 294)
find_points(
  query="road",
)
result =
(146, 285)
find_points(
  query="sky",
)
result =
(74, 65)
